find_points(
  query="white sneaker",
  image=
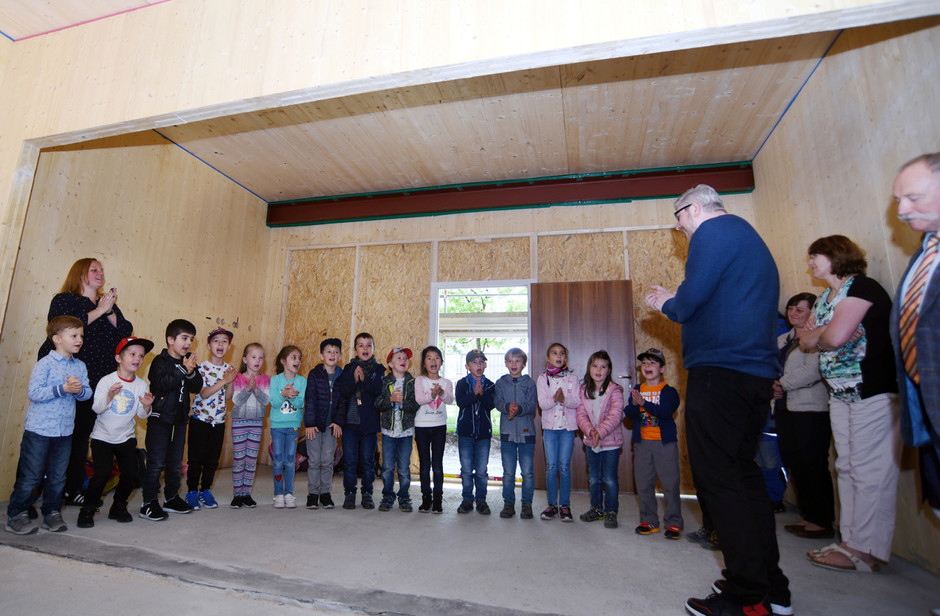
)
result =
(289, 501)
(278, 501)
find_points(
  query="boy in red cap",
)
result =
(398, 408)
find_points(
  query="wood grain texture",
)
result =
(581, 256)
(504, 258)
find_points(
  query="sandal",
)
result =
(857, 565)
(824, 550)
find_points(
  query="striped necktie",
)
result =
(910, 307)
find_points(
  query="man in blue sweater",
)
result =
(727, 306)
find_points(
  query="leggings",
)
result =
(246, 439)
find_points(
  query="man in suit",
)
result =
(915, 319)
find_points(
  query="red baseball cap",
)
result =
(404, 350)
(124, 342)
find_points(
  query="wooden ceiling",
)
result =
(23, 19)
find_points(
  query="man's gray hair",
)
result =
(931, 160)
(703, 194)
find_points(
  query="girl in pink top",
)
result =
(559, 396)
(433, 392)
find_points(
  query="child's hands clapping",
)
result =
(146, 400)
(437, 391)
(637, 398)
(397, 396)
(289, 392)
(513, 410)
(358, 375)
(113, 391)
(251, 384)
(189, 362)
(559, 396)
(229, 375)
(72, 385)
(595, 437)
(478, 388)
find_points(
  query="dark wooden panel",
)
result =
(585, 317)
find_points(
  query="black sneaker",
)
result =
(385, 505)
(248, 501)
(673, 532)
(437, 506)
(719, 605)
(592, 515)
(483, 508)
(238, 502)
(119, 513)
(509, 510)
(86, 518)
(465, 506)
(350, 502)
(404, 504)
(76, 500)
(367, 502)
(177, 505)
(526, 511)
(549, 512)
(326, 501)
(153, 512)
(610, 519)
(425, 504)
(313, 501)
(778, 607)
(565, 512)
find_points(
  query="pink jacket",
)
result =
(609, 419)
(546, 389)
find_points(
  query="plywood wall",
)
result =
(829, 167)
(176, 239)
(502, 258)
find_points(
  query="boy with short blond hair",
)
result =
(57, 381)
(516, 398)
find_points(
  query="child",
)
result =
(474, 395)
(321, 428)
(559, 396)
(287, 404)
(173, 377)
(398, 407)
(516, 399)
(655, 446)
(207, 421)
(433, 392)
(250, 396)
(359, 385)
(119, 398)
(599, 415)
(57, 381)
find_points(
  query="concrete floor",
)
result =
(236, 561)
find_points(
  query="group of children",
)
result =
(353, 403)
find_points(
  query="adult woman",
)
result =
(82, 297)
(801, 411)
(851, 332)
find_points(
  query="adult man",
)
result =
(727, 306)
(915, 320)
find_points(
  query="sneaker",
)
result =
(509, 510)
(31, 513)
(192, 499)
(483, 508)
(566, 514)
(405, 505)
(350, 502)
(592, 515)
(207, 500)
(646, 529)
(672, 532)
(386, 504)
(779, 507)
(367, 502)
(152, 511)
(610, 519)
(238, 502)
(177, 505)
(526, 512)
(437, 506)
(719, 605)
(77, 499)
(289, 501)
(119, 513)
(86, 518)
(784, 608)
(465, 506)
(249, 502)
(425, 504)
(278, 501)
(549, 512)
(705, 538)
(313, 501)
(20, 524)
(326, 501)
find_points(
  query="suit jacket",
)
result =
(918, 403)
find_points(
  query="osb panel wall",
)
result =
(504, 258)
(658, 257)
(319, 300)
(581, 257)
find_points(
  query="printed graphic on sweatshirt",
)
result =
(123, 402)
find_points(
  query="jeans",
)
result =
(358, 447)
(474, 454)
(40, 455)
(430, 444)
(283, 447)
(396, 451)
(164, 445)
(603, 480)
(525, 454)
(558, 447)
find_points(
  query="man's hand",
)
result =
(658, 297)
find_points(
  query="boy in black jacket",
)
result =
(173, 377)
(321, 428)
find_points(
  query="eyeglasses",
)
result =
(684, 207)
